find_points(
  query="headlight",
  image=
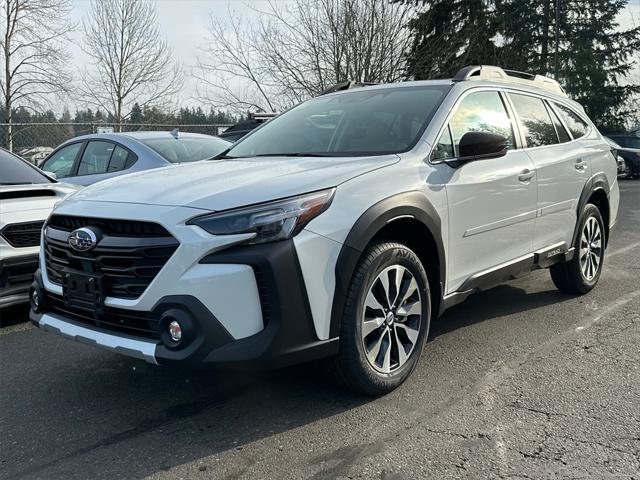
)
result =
(272, 221)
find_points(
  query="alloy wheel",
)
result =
(590, 248)
(391, 319)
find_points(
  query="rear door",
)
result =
(492, 203)
(562, 168)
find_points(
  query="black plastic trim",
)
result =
(410, 204)
(289, 335)
(597, 182)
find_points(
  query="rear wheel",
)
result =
(581, 274)
(386, 320)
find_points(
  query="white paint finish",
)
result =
(214, 185)
(141, 349)
(487, 199)
(318, 256)
(560, 184)
(229, 291)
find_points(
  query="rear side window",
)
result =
(480, 112)
(95, 158)
(535, 121)
(574, 123)
(563, 135)
(121, 159)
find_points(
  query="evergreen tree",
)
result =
(449, 34)
(135, 116)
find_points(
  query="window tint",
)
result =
(118, 159)
(535, 120)
(481, 112)
(574, 123)
(363, 121)
(95, 158)
(444, 147)
(14, 171)
(563, 135)
(61, 162)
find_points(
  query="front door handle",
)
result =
(526, 175)
(580, 165)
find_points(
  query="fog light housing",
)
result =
(34, 297)
(175, 331)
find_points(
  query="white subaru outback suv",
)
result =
(339, 229)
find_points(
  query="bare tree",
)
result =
(35, 57)
(132, 64)
(295, 51)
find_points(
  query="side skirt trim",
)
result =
(543, 258)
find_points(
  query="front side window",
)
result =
(574, 123)
(363, 121)
(534, 120)
(481, 112)
(61, 162)
(95, 158)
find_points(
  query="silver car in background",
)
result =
(89, 159)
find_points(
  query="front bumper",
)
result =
(16, 275)
(288, 335)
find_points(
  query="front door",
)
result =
(492, 203)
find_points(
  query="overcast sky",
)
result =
(184, 25)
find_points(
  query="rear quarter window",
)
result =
(572, 120)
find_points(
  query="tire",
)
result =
(576, 277)
(365, 331)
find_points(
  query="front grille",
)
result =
(23, 234)
(111, 227)
(15, 272)
(130, 322)
(126, 262)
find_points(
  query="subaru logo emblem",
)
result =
(82, 239)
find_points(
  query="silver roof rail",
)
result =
(489, 72)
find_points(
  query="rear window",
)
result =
(186, 149)
(14, 171)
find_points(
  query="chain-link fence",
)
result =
(34, 141)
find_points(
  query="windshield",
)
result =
(14, 171)
(359, 122)
(187, 149)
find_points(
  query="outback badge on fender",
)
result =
(82, 239)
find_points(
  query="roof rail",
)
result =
(489, 72)
(346, 85)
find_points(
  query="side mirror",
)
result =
(480, 146)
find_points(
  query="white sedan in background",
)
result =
(27, 196)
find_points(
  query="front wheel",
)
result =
(581, 274)
(385, 322)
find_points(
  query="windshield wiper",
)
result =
(17, 183)
(222, 155)
(292, 154)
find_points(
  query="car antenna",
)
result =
(175, 133)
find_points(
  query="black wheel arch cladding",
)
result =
(405, 205)
(597, 182)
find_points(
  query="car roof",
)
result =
(139, 135)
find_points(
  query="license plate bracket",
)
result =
(83, 290)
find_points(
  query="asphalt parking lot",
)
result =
(520, 382)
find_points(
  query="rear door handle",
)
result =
(580, 165)
(526, 175)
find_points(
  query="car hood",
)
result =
(223, 184)
(23, 198)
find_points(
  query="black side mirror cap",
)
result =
(480, 146)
